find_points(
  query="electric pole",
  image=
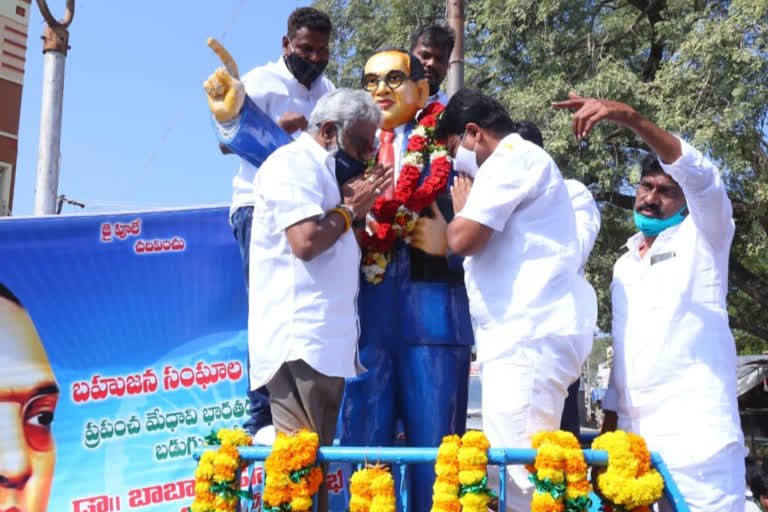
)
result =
(55, 46)
(454, 16)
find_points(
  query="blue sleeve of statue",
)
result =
(253, 135)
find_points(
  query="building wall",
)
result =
(14, 21)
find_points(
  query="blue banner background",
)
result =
(101, 308)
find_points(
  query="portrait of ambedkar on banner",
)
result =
(28, 397)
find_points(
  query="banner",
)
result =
(138, 351)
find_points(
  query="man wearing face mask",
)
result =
(285, 91)
(673, 379)
(532, 310)
(303, 325)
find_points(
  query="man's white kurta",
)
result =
(674, 365)
(524, 284)
(587, 218)
(275, 91)
(300, 309)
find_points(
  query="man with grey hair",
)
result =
(302, 325)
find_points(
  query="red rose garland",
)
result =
(396, 217)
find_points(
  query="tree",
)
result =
(695, 67)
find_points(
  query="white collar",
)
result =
(635, 241)
(318, 152)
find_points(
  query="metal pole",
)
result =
(55, 46)
(454, 15)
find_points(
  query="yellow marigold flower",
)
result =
(448, 488)
(476, 439)
(471, 477)
(301, 503)
(474, 502)
(544, 502)
(556, 476)
(277, 480)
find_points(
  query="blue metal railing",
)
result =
(496, 456)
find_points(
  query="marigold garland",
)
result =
(372, 489)
(474, 494)
(292, 477)
(445, 491)
(217, 488)
(629, 483)
(395, 218)
(559, 474)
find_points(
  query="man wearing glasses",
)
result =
(415, 336)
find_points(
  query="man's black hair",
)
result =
(309, 18)
(414, 64)
(650, 164)
(470, 106)
(435, 35)
(5, 293)
(758, 483)
(530, 132)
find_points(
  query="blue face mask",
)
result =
(347, 167)
(650, 226)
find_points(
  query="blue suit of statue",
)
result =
(415, 341)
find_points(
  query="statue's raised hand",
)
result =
(224, 89)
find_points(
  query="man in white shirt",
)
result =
(433, 45)
(286, 91)
(302, 322)
(673, 379)
(533, 312)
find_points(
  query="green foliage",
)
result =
(698, 68)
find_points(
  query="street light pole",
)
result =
(454, 15)
(55, 46)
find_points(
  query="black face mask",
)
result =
(303, 69)
(347, 167)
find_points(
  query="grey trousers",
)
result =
(302, 398)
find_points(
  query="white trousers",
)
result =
(524, 393)
(716, 484)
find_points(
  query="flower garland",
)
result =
(474, 494)
(292, 477)
(217, 488)
(372, 489)
(629, 483)
(445, 492)
(395, 218)
(559, 474)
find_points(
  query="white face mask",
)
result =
(465, 160)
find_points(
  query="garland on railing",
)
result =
(559, 474)
(474, 494)
(372, 489)
(445, 491)
(217, 488)
(629, 483)
(292, 476)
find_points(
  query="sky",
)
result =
(136, 129)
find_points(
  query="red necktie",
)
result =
(387, 156)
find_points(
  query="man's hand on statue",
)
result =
(590, 111)
(292, 122)
(361, 192)
(225, 91)
(462, 185)
(429, 235)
